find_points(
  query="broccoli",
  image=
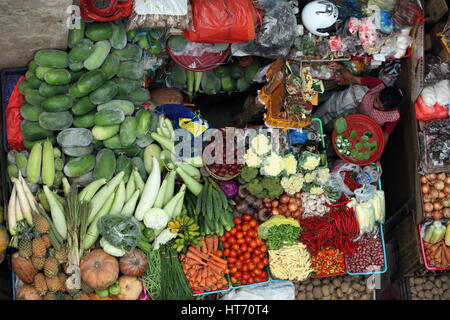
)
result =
(255, 187)
(248, 174)
(275, 191)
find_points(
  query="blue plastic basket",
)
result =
(384, 256)
(8, 78)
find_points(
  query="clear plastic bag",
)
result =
(276, 290)
(339, 168)
(365, 193)
(195, 49)
(433, 70)
(277, 34)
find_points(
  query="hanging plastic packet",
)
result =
(365, 193)
(298, 137)
(184, 118)
(195, 125)
(379, 195)
(384, 22)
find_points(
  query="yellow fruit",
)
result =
(47, 241)
(62, 279)
(40, 284)
(38, 262)
(51, 267)
(53, 284)
(447, 235)
(40, 223)
(39, 249)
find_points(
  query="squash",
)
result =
(133, 263)
(23, 268)
(98, 269)
(166, 96)
(130, 288)
(4, 239)
(27, 292)
(94, 296)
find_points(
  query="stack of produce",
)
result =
(246, 203)
(435, 287)
(436, 195)
(328, 262)
(338, 288)
(436, 242)
(368, 256)
(286, 205)
(291, 262)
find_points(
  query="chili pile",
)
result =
(328, 262)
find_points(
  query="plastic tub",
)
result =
(422, 250)
(384, 257)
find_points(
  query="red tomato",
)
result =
(251, 266)
(255, 260)
(247, 255)
(239, 251)
(259, 241)
(257, 272)
(227, 234)
(226, 245)
(232, 260)
(245, 227)
(240, 241)
(257, 251)
(232, 240)
(264, 248)
(233, 270)
(263, 274)
(253, 244)
(251, 280)
(244, 248)
(238, 227)
(237, 221)
(245, 276)
(238, 264)
(244, 268)
(233, 231)
(226, 252)
(253, 223)
(238, 275)
(235, 247)
(223, 239)
(260, 265)
(262, 256)
(234, 280)
(244, 282)
(257, 280)
(265, 261)
(239, 235)
(250, 249)
(241, 258)
(251, 233)
(233, 253)
(246, 217)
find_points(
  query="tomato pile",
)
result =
(245, 252)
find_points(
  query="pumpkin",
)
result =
(23, 268)
(166, 96)
(98, 269)
(4, 239)
(27, 292)
(130, 288)
(94, 296)
(133, 263)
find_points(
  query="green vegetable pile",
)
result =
(261, 186)
(280, 231)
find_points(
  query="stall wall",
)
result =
(31, 25)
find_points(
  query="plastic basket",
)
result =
(206, 62)
(424, 256)
(384, 257)
(361, 123)
(314, 276)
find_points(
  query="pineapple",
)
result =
(51, 267)
(25, 248)
(39, 249)
(62, 278)
(40, 223)
(47, 241)
(40, 284)
(50, 296)
(53, 284)
(61, 254)
(38, 262)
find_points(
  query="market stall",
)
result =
(122, 187)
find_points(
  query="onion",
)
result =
(265, 200)
(447, 180)
(447, 188)
(299, 202)
(296, 214)
(446, 203)
(292, 207)
(441, 195)
(441, 176)
(275, 211)
(298, 195)
(437, 215)
(434, 193)
(431, 177)
(428, 207)
(446, 213)
(425, 189)
(428, 215)
(284, 198)
(275, 203)
(283, 208)
(439, 185)
(292, 200)
(426, 198)
(267, 205)
(423, 180)
(437, 205)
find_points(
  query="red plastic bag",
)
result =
(13, 118)
(407, 13)
(223, 21)
(115, 10)
(426, 113)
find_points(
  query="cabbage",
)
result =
(230, 188)
(263, 230)
(121, 232)
(156, 218)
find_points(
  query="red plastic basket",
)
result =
(206, 62)
(362, 123)
(424, 256)
(115, 11)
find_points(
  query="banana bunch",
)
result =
(187, 231)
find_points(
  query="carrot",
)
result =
(216, 269)
(198, 253)
(216, 243)
(205, 273)
(204, 248)
(209, 243)
(218, 259)
(195, 257)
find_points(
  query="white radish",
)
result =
(12, 212)
(19, 213)
(24, 205)
(150, 192)
(28, 194)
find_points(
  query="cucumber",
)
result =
(105, 93)
(144, 119)
(76, 35)
(41, 71)
(76, 66)
(52, 58)
(23, 86)
(34, 82)
(58, 77)
(126, 106)
(32, 131)
(90, 81)
(81, 51)
(131, 70)
(111, 116)
(57, 103)
(119, 36)
(29, 144)
(144, 141)
(79, 166)
(130, 52)
(98, 31)
(105, 132)
(105, 164)
(138, 163)
(47, 90)
(140, 96)
(55, 121)
(128, 131)
(74, 92)
(76, 75)
(83, 106)
(75, 137)
(111, 66)
(30, 112)
(85, 121)
(127, 86)
(32, 66)
(33, 97)
(98, 56)
(29, 74)
(78, 151)
(124, 164)
(113, 142)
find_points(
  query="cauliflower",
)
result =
(292, 184)
(310, 161)
(323, 175)
(316, 190)
(165, 236)
(252, 159)
(273, 165)
(310, 176)
(290, 164)
(261, 144)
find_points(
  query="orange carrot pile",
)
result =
(203, 266)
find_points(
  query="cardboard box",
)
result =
(436, 9)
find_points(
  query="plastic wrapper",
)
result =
(14, 119)
(407, 13)
(279, 290)
(386, 5)
(338, 172)
(195, 49)
(161, 14)
(433, 70)
(437, 146)
(365, 217)
(390, 72)
(365, 193)
(277, 34)
(379, 205)
(122, 232)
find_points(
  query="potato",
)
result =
(345, 286)
(309, 287)
(316, 282)
(428, 285)
(350, 290)
(317, 292)
(301, 296)
(435, 291)
(333, 298)
(445, 279)
(419, 288)
(302, 287)
(421, 294)
(326, 298)
(325, 281)
(440, 291)
(337, 282)
(445, 286)
(309, 296)
(428, 294)
(356, 286)
(325, 290)
(418, 281)
(339, 293)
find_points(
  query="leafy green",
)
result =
(120, 231)
(340, 124)
(365, 138)
(368, 134)
(353, 133)
(248, 174)
(282, 235)
(358, 146)
(277, 220)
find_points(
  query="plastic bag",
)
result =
(407, 13)
(390, 72)
(14, 119)
(427, 113)
(195, 49)
(365, 193)
(433, 70)
(275, 290)
(340, 168)
(161, 14)
(385, 5)
(277, 35)
(222, 21)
